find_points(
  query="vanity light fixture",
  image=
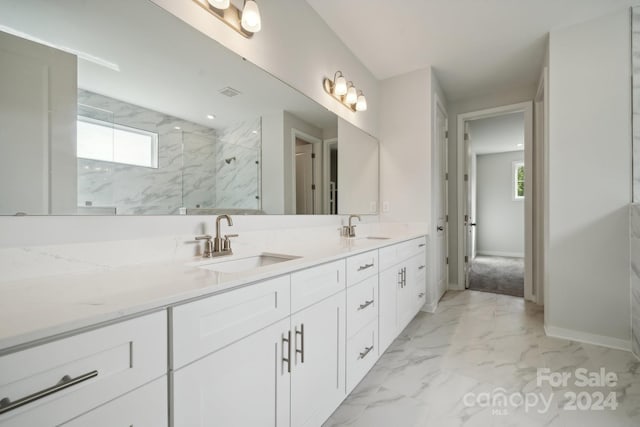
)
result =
(246, 22)
(345, 92)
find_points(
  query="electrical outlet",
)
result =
(385, 206)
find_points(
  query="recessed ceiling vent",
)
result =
(229, 91)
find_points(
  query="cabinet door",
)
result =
(244, 384)
(143, 407)
(389, 287)
(318, 376)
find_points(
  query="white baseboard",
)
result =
(430, 308)
(455, 287)
(503, 254)
(585, 337)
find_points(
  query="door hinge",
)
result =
(313, 186)
(466, 218)
(466, 136)
(466, 258)
(447, 260)
(446, 134)
(446, 218)
(313, 155)
(446, 176)
(466, 177)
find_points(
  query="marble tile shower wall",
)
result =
(191, 164)
(135, 190)
(238, 179)
(635, 62)
(635, 278)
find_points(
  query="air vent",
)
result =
(229, 91)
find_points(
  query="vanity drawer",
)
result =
(101, 365)
(362, 305)
(397, 253)
(316, 283)
(145, 406)
(361, 266)
(204, 326)
(362, 354)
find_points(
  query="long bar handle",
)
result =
(288, 358)
(364, 267)
(365, 304)
(366, 351)
(7, 405)
(301, 333)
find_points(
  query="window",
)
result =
(517, 177)
(110, 142)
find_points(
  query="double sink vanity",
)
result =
(242, 339)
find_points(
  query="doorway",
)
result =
(495, 238)
(307, 174)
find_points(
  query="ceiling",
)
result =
(476, 47)
(498, 134)
(141, 54)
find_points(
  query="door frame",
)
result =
(326, 163)
(316, 144)
(527, 109)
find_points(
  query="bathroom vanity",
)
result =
(211, 341)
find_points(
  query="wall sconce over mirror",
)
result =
(345, 92)
(246, 22)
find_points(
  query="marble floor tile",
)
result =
(452, 367)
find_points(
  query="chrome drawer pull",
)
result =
(421, 267)
(422, 245)
(365, 352)
(7, 405)
(301, 333)
(288, 358)
(364, 267)
(365, 305)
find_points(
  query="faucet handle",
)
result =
(208, 245)
(226, 243)
(227, 236)
(204, 237)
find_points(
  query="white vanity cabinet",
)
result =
(54, 383)
(402, 287)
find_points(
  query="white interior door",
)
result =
(467, 228)
(304, 179)
(441, 267)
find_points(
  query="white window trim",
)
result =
(153, 135)
(514, 179)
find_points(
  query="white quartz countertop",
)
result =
(40, 308)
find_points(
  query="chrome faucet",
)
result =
(220, 246)
(350, 230)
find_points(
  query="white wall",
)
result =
(405, 147)
(587, 293)
(513, 96)
(300, 61)
(500, 218)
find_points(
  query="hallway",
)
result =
(478, 343)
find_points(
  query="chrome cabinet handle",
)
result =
(366, 351)
(301, 333)
(421, 267)
(365, 305)
(7, 405)
(400, 278)
(404, 276)
(364, 267)
(422, 245)
(288, 358)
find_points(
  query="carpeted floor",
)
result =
(498, 275)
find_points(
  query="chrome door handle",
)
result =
(366, 351)
(440, 228)
(301, 333)
(7, 405)
(288, 358)
(365, 305)
(364, 267)
(473, 224)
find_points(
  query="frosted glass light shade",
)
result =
(219, 4)
(340, 86)
(361, 104)
(352, 96)
(251, 17)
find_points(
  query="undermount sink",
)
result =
(247, 263)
